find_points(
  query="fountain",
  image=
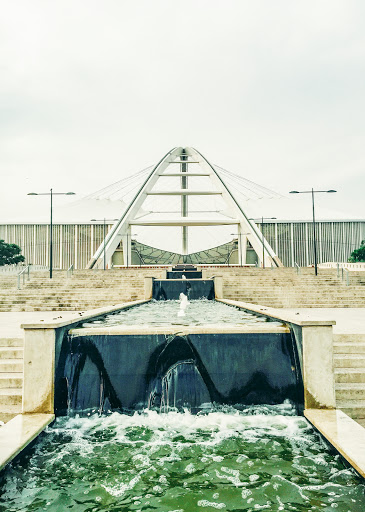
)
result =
(183, 304)
(113, 365)
(186, 279)
(198, 409)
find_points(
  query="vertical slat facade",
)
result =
(293, 241)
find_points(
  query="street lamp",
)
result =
(262, 234)
(51, 193)
(104, 220)
(240, 235)
(314, 219)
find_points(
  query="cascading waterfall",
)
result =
(238, 454)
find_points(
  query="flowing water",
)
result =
(264, 458)
(166, 312)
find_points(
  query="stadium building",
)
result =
(185, 210)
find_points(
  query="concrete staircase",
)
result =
(283, 287)
(11, 377)
(349, 364)
(86, 289)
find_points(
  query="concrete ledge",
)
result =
(178, 329)
(19, 432)
(80, 316)
(347, 436)
(302, 319)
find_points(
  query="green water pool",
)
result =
(264, 458)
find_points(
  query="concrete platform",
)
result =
(348, 320)
(19, 432)
(345, 434)
(10, 322)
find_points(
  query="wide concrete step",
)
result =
(89, 286)
(349, 338)
(8, 412)
(350, 375)
(349, 348)
(355, 409)
(76, 304)
(11, 365)
(11, 342)
(274, 291)
(11, 352)
(11, 380)
(104, 292)
(10, 396)
(349, 360)
(280, 290)
(67, 297)
(350, 391)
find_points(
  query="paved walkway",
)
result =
(348, 320)
(10, 322)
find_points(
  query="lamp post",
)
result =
(262, 234)
(314, 219)
(104, 220)
(51, 193)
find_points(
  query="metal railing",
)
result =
(70, 270)
(26, 270)
(345, 272)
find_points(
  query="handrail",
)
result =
(344, 270)
(297, 267)
(70, 270)
(25, 270)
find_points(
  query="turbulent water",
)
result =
(263, 459)
(198, 312)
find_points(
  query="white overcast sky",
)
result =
(93, 91)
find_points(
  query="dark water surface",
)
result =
(265, 458)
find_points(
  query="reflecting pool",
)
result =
(166, 312)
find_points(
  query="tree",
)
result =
(358, 254)
(10, 254)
